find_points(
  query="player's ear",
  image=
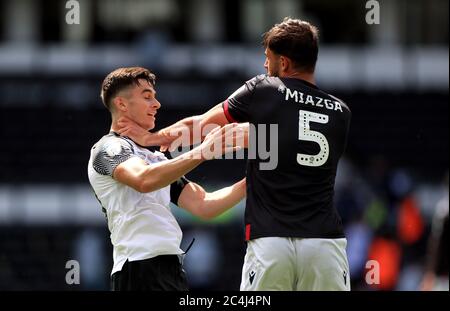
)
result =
(284, 63)
(120, 104)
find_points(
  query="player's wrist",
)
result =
(152, 139)
(198, 153)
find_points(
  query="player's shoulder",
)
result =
(257, 79)
(110, 151)
(341, 102)
(113, 143)
(264, 81)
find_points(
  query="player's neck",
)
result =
(305, 76)
(114, 125)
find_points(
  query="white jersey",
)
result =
(141, 224)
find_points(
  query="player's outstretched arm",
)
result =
(207, 205)
(142, 177)
(213, 117)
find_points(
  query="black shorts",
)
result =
(163, 273)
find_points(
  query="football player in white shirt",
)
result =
(135, 187)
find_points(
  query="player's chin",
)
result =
(150, 125)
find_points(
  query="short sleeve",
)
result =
(236, 107)
(110, 154)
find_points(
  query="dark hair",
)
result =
(295, 39)
(121, 79)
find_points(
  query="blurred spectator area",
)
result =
(407, 50)
(403, 22)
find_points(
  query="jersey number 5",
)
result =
(305, 134)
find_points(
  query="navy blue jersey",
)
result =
(295, 199)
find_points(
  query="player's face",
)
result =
(272, 63)
(142, 104)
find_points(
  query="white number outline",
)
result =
(306, 134)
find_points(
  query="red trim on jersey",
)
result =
(247, 232)
(227, 112)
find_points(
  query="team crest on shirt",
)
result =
(113, 148)
(251, 276)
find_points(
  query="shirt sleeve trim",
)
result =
(227, 112)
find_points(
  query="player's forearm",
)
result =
(160, 175)
(182, 127)
(217, 202)
(197, 127)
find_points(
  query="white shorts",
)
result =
(290, 264)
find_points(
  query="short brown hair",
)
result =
(296, 39)
(121, 79)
